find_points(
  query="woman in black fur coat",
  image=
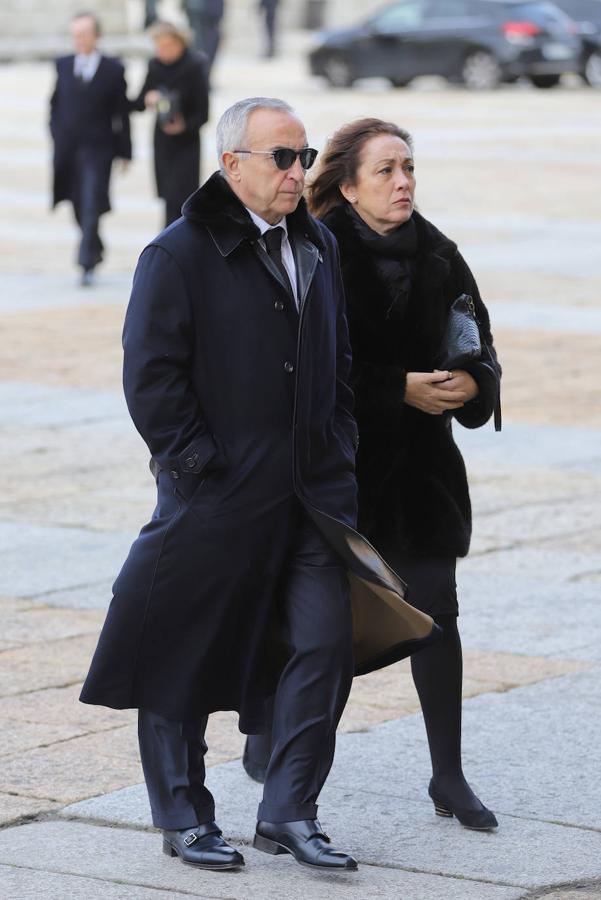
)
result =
(401, 276)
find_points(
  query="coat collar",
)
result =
(216, 207)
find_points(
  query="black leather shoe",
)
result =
(479, 819)
(202, 846)
(254, 765)
(307, 843)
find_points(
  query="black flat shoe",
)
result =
(202, 846)
(254, 764)
(481, 819)
(307, 843)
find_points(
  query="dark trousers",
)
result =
(207, 35)
(316, 625)
(93, 173)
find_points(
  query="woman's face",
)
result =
(383, 194)
(168, 48)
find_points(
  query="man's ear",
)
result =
(231, 165)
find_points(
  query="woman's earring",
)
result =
(353, 199)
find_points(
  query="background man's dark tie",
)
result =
(273, 245)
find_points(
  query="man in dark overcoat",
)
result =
(89, 124)
(235, 373)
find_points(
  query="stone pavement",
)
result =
(513, 177)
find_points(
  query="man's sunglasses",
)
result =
(285, 158)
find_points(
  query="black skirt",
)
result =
(430, 580)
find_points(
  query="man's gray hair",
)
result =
(231, 128)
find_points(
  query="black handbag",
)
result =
(462, 344)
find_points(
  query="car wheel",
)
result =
(399, 82)
(481, 71)
(338, 72)
(592, 69)
(545, 81)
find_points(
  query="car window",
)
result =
(449, 9)
(399, 17)
(539, 13)
(582, 10)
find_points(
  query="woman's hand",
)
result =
(461, 381)
(434, 392)
(177, 126)
(151, 98)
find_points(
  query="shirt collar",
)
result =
(264, 226)
(87, 60)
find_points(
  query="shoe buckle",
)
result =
(190, 839)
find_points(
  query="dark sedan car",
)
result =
(478, 42)
(587, 15)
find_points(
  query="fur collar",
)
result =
(218, 208)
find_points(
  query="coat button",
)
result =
(278, 305)
(288, 366)
(174, 473)
(191, 461)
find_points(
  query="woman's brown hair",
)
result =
(341, 160)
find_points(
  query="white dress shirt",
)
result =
(85, 65)
(287, 254)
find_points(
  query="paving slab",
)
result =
(33, 625)
(135, 859)
(524, 447)
(529, 615)
(61, 706)
(31, 884)
(35, 404)
(17, 736)
(548, 562)
(65, 774)
(36, 666)
(73, 557)
(14, 807)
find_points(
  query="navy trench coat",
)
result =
(246, 410)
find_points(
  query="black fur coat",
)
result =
(413, 487)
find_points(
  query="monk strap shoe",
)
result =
(202, 846)
(306, 841)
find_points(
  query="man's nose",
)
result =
(296, 170)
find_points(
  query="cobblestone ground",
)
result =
(513, 177)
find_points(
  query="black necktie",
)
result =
(273, 245)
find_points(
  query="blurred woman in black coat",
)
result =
(401, 276)
(176, 88)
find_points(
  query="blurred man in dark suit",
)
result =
(89, 123)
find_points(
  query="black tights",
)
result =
(438, 674)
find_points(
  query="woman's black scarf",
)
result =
(393, 256)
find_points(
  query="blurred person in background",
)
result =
(205, 18)
(176, 89)
(269, 8)
(401, 275)
(150, 12)
(89, 124)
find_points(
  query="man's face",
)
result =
(83, 34)
(268, 191)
